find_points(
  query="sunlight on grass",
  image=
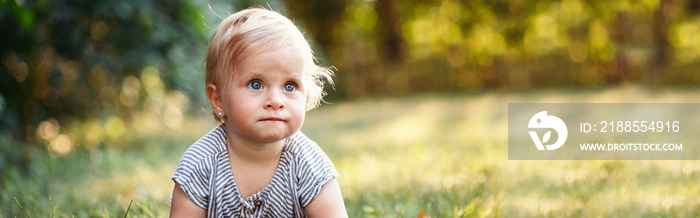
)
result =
(428, 155)
(438, 154)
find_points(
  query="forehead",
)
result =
(287, 59)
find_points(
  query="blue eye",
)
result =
(290, 87)
(255, 85)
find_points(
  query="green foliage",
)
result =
(69, 66)
(472, 46)
(54, 61)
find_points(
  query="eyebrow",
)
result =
(253, 76)
(290, 76)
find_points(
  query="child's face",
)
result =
(265, 101)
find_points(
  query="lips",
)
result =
(272, 119)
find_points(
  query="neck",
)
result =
(253, 153)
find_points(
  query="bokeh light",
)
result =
(62, 144)
(48, 129)
(129, 95)
(115, 127)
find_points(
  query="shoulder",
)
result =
(193, 171)
(313, 168)
(203, 149)
(303, 149)
(308, 156)
(213, 142)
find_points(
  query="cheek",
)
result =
(299, 117)
(239, 105)
(298, 108)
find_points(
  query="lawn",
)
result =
(439, 155)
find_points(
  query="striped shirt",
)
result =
(205, 175)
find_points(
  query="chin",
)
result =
(271, 138)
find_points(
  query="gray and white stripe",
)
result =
(204, 173)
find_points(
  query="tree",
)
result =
(67, 61)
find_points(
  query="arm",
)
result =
(182, 206)
(328, 203)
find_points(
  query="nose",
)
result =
(274, 101)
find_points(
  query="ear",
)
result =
(215, 98)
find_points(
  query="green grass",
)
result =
(428, 155)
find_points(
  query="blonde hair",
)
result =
(255, 30)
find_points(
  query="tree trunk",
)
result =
(662, 19)
(390, 31)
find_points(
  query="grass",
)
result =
(419, 156)
(20, 207)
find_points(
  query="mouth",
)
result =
(273, 119)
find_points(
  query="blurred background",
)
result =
(99, 100)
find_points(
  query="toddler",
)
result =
(261, 79)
